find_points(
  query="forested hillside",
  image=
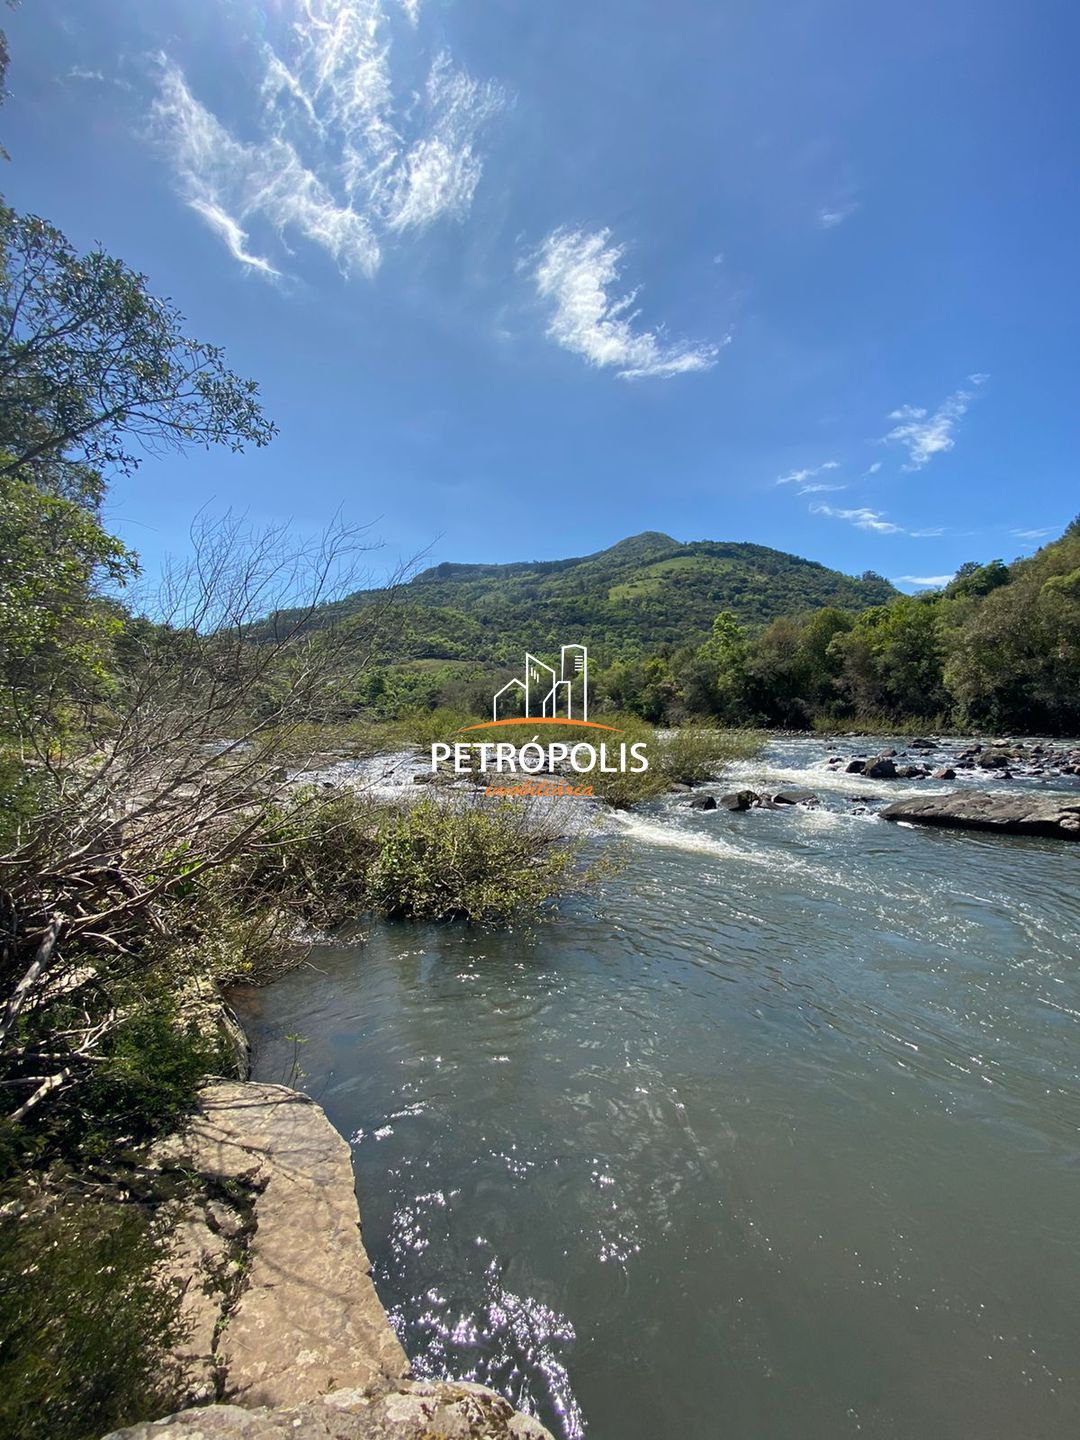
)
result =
(644, 592)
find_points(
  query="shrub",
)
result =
(85, 1322)
(147, 1070)
(477, 861)
(312, 860)
(695, 753)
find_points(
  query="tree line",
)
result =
(997, 648)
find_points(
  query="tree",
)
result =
(55, 636)
(975, 579)
(94, 369)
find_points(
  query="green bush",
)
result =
(85, 1324)
(695, 753)
(490, 861)
(147, 1071)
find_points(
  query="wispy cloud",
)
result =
(231, 232)
(829, 216)
(925, 435)
(577, 271)
(798, 477)
(1040, 534)
(872, 469)
(933, 582)
(862, 518)
(819, 489)
(338, 159)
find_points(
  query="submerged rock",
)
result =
(795, 797)
(1054, 815)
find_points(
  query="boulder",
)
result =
(994, 759)
(1052, 815)
(703, 802)
(307, 1318)
(855, 767)
(795, 797)
(738, 800)
(880, 769)
(410, 1410)
(945, 773)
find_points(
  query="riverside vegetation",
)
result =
(152, 837)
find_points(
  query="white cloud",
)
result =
(872, 469)
(927, 581)
(796, 477)
(1034, 534)
(337, 158)
(819, 489)
(829, 216)
(440, 172)
(925, 435)
(930, 534)
(577, 270)
(862, 518)
(232, 233)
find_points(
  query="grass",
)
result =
(85, 1322)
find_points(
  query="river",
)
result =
(776, 1138)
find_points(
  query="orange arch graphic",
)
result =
(541, 720)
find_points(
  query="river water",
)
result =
(777, 1138)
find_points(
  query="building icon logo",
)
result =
(546, 693)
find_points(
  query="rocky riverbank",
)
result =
(286, 1334)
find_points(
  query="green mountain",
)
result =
(644, 592)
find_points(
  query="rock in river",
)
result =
(739, 800)
(703, 802)
(1054, 815)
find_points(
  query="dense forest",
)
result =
(997, 648)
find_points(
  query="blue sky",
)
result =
(521, 279)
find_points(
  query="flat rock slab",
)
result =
(413, 1410)
(308, 1319)
(1057, 816)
